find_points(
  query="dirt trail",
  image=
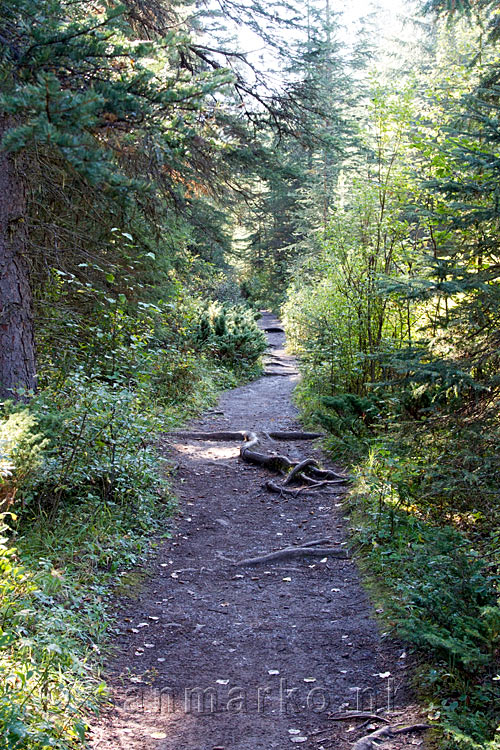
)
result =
(277, 649)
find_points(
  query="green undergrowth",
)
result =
(423, 512)
(84, 500)
(440, 596)
(56, 589)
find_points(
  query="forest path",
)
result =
(277, 649)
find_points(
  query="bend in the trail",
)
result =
(212, 656)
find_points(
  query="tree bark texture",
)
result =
(17, 349)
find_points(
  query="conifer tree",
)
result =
(79, 87)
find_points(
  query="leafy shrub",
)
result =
(437, 591)
(347, 413)
(41, 662)
(90, 441)
(21, 453)
(231, 336)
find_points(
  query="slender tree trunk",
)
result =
(17, 350)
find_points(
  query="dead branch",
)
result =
(349, 715)
(292, 552)
(372, 741)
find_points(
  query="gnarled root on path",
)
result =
(279, 464)
(307, 474)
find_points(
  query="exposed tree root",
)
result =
(279, 489)
(315, 542)
(292, 552)
(326, 474)
(279, 464)
(220, 436)
(295, 435)
(308, 473)
(295, 491)
(227, 435)
(274, 374)
(372, 741)
(297, 470)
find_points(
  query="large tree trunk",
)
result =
(17, 350)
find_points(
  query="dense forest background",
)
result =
(162, 178)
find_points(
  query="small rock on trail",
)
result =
(214, 656)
